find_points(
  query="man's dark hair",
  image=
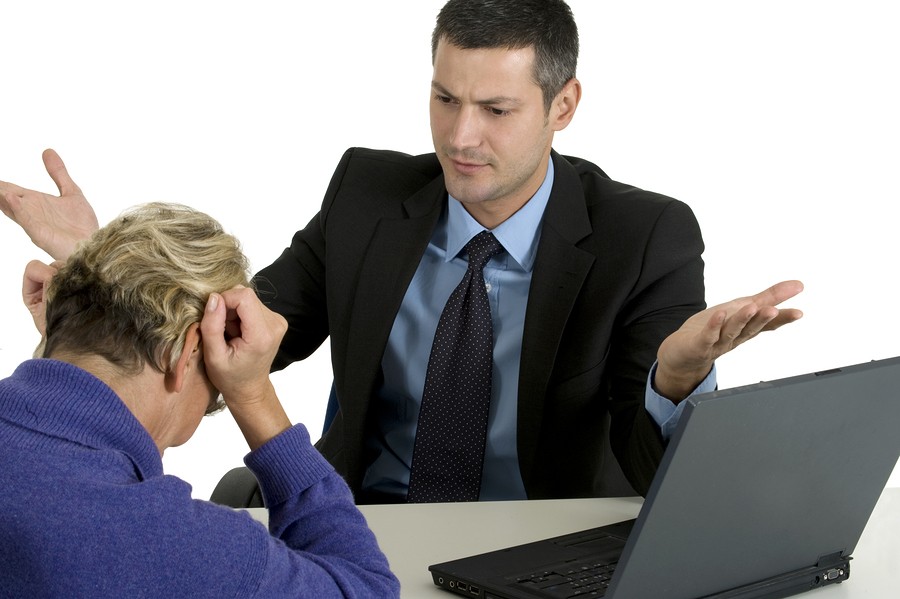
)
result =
(545, 25)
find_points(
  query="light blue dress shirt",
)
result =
(507, 279)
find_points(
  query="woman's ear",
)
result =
(190, 356)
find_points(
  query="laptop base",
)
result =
(829, 570)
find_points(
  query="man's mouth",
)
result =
(467, 167)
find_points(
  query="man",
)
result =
(593, 280)
(145, 324)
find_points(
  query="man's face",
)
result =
(490, 128)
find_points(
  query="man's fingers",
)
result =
(712, 332)
(57, 171)
(9, 201)
(785, 316)
(763, 315)
(741, 328)
(778, 293)
(758, 313)
(744, 324)
(733, 326)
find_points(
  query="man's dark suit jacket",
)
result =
(617, 270)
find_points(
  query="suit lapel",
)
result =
(559, 272)
(391, 259)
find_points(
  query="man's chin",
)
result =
(468, 190)
(467, 197)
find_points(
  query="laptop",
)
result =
(763, 491)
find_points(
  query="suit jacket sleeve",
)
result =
(668, 291)
(618, 269)
(294, 284)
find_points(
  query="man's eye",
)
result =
(443, 99)
(498, 111)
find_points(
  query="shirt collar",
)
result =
(519, 234)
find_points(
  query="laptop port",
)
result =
(474, 590)
(462, 586)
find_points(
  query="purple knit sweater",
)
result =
(86, 511)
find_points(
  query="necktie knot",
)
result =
(481, 248)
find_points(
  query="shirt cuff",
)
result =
(663, 411)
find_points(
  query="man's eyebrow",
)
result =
(505, 100)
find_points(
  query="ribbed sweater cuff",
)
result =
(287, 465)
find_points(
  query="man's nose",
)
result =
(466, 131)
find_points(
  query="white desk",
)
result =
(416, 536)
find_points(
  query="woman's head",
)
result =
(130, 292)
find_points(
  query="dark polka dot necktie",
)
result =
(448, 453)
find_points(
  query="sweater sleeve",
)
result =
(321, 542)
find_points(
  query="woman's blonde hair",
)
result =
(131, 291)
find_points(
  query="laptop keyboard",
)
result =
(571, 580)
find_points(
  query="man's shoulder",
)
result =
(379, 182)
(598, 186)
(585, 167)
(390, 162)
(611, 207)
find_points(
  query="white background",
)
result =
(776, 120)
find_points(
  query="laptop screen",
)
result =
(763, 491)
(765, 479)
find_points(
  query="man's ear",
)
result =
(564, 104)
(190, 355)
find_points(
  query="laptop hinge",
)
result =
(830, 559)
